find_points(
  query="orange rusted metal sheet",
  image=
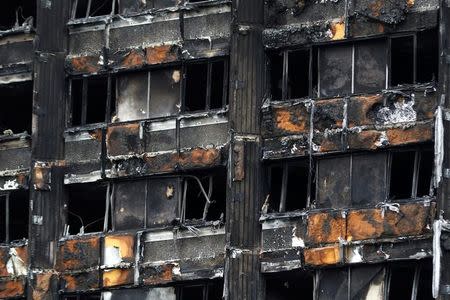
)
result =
(323, 256)
(416, 134)
(85, 64)
(337, 30)
(158, 274)
(42, 285)
(293, 119)
(116, 277)
(161, 54)
(80, 281)
(4, 255)
(10, 288)
(364, 224)
(79, 254)
(325, 227)
(361, 108)
(123, 244)
(135, 58)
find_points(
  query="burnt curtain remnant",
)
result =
(224, 149)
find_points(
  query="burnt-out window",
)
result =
(87, 208)
(16, 111)
(410, 280)
(290, 73)
(92, 8)
(205, 85)
(212, 290)
(289, 285)
(290, 187)
(14, 207)
(204, 195)
(410, 173)
(92, 100)
(366, 179)
(414, 58)
(17, 13)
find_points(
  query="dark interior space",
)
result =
(195, 199)
(425, 173)
(79, 9)
(97, 95)
(100, 7)
(424, 287)
(298, 74)
(276, 179)
(86, 207)
(17, 104)
(297, 187)
(196, 85)
(402, 173)
(276, 75)
(213, 290)
(315, 72)
(427, 56)
(15, 13)
(196, 292)
(217, 84)
(401, 281)
(18, 208)
(290, 285)
(77, 101)
(402, 60)
(3, 218)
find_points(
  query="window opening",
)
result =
(402, 60)
(298, 74)
(86, 208)
(17, 13)
(289, 285)
(212, 290)
(289, 187)
(427, 56)
(14, 216)
(204, 196)
(92, 100)
(92, 8)
(17, 104)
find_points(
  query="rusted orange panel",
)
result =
(361, 110)
(85, 64)
(161, 54)
(42, 284)
(194, 158)
(124, 244)
(323, 256)
(294, 119)
(337, 30)
(133, 59)
(158, 274)
(366, 140)
(116, 277)
(413, 220)
(80, 281)
(364, 224)
(4, 254)
(12, 288)
(416, 134)
(79, 254)
(326, 227)
(329, 142)
(123, 139)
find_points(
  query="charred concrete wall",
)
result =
(223, 149)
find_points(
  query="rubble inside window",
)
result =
(14, 207)
(18, 14)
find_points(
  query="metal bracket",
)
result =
(446, 173)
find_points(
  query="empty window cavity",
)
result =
(402, 60)
(17, 104)
(289, 187)
(86, 208)
(92, 8)
(202, 291)
(17, 13)
(289, 285)
(14, 216)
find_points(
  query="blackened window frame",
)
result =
(5, 201)
(112, 92)
(73, 13)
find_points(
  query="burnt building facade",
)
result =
(184, 150)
